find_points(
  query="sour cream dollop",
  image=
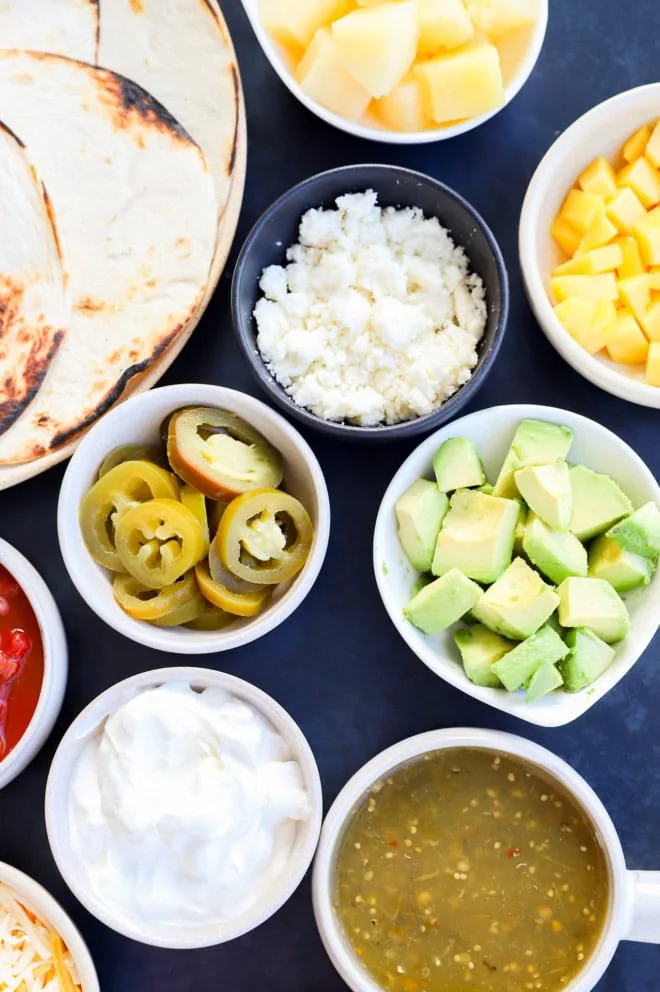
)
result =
(183, 806)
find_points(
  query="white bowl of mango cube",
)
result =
(597, 194)
(492, 431)
(402, 71)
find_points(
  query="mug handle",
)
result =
(645, 917)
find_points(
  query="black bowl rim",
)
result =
(406, 428)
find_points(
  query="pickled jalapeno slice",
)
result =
(144, 603)
(241, 604)
(158, 541)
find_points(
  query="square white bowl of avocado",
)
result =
(516, 552)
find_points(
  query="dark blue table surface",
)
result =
(338, 665)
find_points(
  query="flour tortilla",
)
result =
(180, 51)
(34, 305)
(65, 27)
(137, 216)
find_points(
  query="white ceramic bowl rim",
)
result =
(385, 135)
(54, 648)
(607, 377)
(66, 756)
(402, 753)
(560, 708)
(49, 911)
(78, 561)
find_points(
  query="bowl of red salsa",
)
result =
(33, 662)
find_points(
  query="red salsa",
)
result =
(21, 662)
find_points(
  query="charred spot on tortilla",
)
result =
(16, 138)
(116, 393)
(236, 86)
(53, 220)
(136, 6)
(91, 305)
(20, 395)
(133, 101)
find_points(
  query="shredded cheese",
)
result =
(33, 958)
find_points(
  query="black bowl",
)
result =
(277, 229)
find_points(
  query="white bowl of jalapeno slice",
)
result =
(193, 519)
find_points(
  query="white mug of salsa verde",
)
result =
(47, 704)
(634, 896)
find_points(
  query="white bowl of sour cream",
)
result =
(183, 807)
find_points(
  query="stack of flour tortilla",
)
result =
(118, 122)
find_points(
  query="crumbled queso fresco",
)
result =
(375, 319)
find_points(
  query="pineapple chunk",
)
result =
(404, 109)
(654, 280)
(647, 232)
(497, 17)
(632, 264)
(565, 235)
(378, 44)
(651, 321)
(443, 24)
(628, 343)
(295, 22)
(635, 146)
(653, 365)
(590, 324)
(636, 294)
(643, 180)
(653, 147)
(592, 288)
(593, 262)
(324, 78)
(581, 209)
(624, 210)
(463, 83)
(600, 233)
(599, 178)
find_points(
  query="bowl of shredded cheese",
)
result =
(40, 948)
(370, 301)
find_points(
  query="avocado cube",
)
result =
(518, 603)
(545, 679)
(457, 465)
(623, 569)
(422, 581)
(555, 554)
(547, 491)
(441, 603)
(598, 503)
(535, 442)
(480, 648)
(640, 532)
(516, 668)
(487, 489)
(595, 604)
(476, 536)
(587, 659)
(519, 535)
(419, 513)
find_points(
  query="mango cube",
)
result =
(651, 322)
(594, 288)
(580, 209)
(378, 44)
(647, 232)
(565, 235)
(443, 24)
(624, 210)
(599, 178)
(404, 109)
(628, 343)
(593, 262)
(600, 232)
(636, 294)
(324, 78)
(635, 146)
(632, 264)
(295, 22)
(466, 82)
(497, 17)
(652, 151)
(643, 180)
(653, 365)
(590, 324)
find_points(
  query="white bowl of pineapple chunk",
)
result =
(590, 245)
(402, 71)
(516, 552)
